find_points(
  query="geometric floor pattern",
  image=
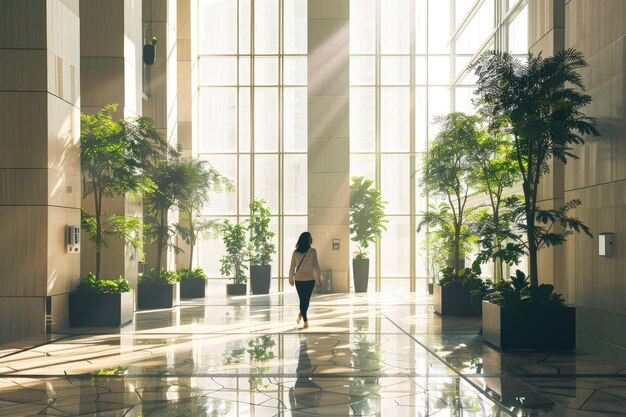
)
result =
(364, 355)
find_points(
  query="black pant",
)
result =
(305, 289)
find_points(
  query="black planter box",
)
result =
(192, 288)
(529, 327)
(149, 54)
(157, 295)
(260, 278)
(361, 272)
(453, 300)
(236, 289)
(110, 310)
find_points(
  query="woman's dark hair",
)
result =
(304, 242)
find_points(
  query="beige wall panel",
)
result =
(594, 24)
(328, 116)
(184, 137)
(602, 333)
(102, 81)
(63, 33)
(329, 155)
(73, 5)
(543, 16)
(184, 50)
(63, 267)
(155, 10)
(156, 73)
(328, 75)
(552, 183)
(23, 187)
(133, 207)
(63, 136)
(184, 90)
(21, 317)
(550, 43)
(23, 250)
(328, 215)
(328, 36)
(320, 9)
(20, 70)
(183, 21)
(103, 36)
(23, 24)
(64, 190)
(323, 234)
(23, 120)
(60, 312)
(156, 108)
(329, 190)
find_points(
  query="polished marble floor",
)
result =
(372, 354)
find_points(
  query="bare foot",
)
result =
(299, 318)
(306, 325)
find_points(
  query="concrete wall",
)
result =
(39, 163)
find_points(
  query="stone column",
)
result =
(328, 135)
(546, 19)
(111, 59)
(160, 90)
(39, 163)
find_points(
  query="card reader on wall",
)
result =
(72, 238)
(605, 246)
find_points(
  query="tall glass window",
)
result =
(410, 63)
(252, 102)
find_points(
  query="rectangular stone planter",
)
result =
(157, 295)
(453, 300)
(529, 327)
(193, 288)
(95, 310)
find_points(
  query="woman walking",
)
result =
(304, 273)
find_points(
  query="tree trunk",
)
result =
(98, 208)
(192, 239)
(532, 252)
(457, 245)
(160, 243)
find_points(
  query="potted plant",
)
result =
(199, 179)
(158, 291)
(192, 283)
(233, 263)
(447, 176)
(97, 302)
(261, 247)
(115, 155)
(453, 292)
(367, 223)
(149, 52)
(539, 104)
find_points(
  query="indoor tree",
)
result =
(115, 155)
(495, 172)
(170, 177)
(447, 176)
(199, 180)
(539, 103)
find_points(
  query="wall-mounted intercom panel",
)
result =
(72, 238)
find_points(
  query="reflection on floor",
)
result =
(363, 355)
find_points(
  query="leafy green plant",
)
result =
(114, 158)
(539, 104)
(367, 215)
(261, 247)
(196, 273)
(260, 348)
(199, 180)
(464, 277)
(447, 175)
(233, 263)
(495, 172)
(519, 291)
(92, 285)
(164, 277)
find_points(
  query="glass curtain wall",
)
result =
(409, 63)
(252, 101)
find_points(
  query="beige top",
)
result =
(309, 269)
